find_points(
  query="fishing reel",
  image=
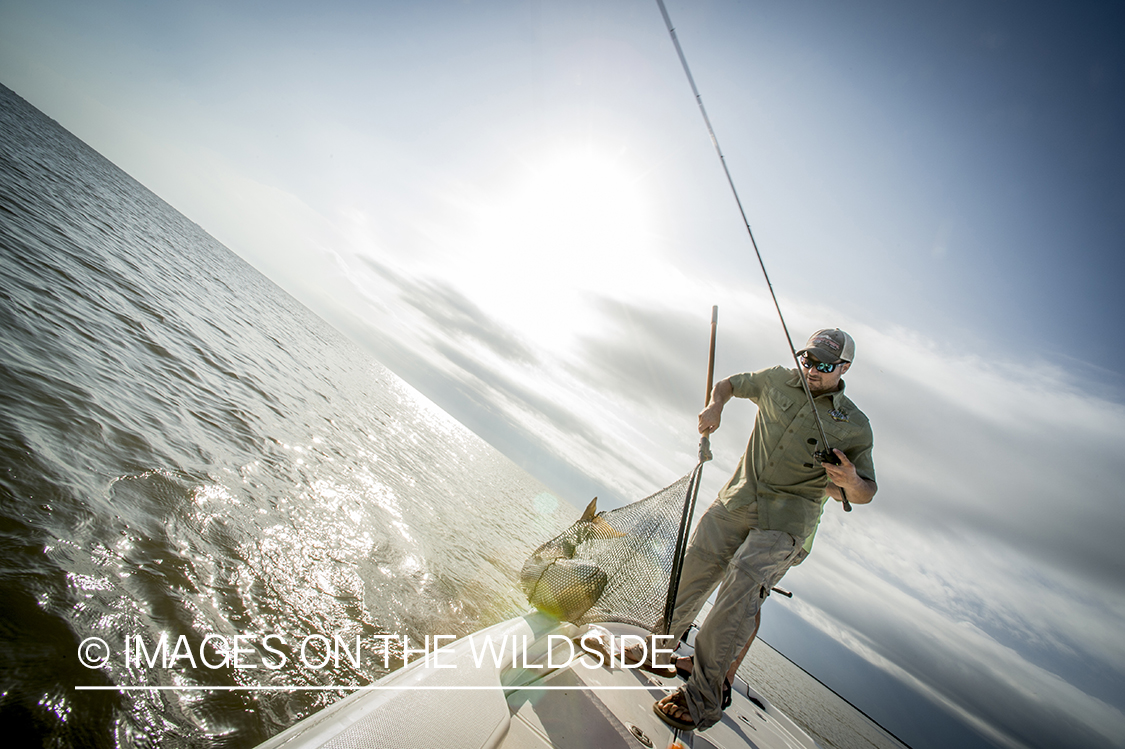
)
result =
(826, 456)
(829, 456)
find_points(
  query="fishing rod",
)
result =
(826, 454)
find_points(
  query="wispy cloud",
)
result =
(944, 654)
(646, 355)
(453, 315)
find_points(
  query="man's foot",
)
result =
(684, 666)
(673, 710)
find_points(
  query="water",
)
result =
(824, 715)
(187, 452)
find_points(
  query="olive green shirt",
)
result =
(778, 470)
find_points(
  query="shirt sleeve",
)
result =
(861, 458)
(751, 384)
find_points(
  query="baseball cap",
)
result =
(830, 345)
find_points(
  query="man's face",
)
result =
(821, 382)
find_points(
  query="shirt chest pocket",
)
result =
(775, 404)
(841, 433)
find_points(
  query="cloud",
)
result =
(453, 314)
(1014, 451)
(519, 395)
(957, 664)
(647, 355)
(501, 392)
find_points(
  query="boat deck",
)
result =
(523, 684)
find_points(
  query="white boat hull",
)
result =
(470, 696)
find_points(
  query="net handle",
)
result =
(711, 356)
(692, 491)
(705, 440)
(681, 550)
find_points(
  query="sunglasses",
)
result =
(823, 367)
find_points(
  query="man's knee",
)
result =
(766, 555)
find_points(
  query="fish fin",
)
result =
(591, 511)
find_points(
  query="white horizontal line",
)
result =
(344, 687)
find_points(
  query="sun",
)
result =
(573, 223)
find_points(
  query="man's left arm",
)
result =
(860, 490)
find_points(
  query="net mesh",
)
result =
(614, 566)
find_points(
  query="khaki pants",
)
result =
(729, 551)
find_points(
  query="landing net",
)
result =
(616, 566)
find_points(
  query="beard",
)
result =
(820, 387)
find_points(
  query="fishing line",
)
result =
(824, 455)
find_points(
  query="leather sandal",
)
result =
(673, 710)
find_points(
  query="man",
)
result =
(755, 529)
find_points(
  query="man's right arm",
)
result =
(711, 416)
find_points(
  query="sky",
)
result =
(516, 207)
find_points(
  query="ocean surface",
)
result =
(831, 720)
(188, 454)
